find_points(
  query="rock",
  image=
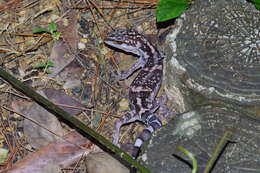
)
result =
(212, 75)
(104, 163)
(199, 132)
(215, 52)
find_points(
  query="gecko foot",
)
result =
(116, 132)
(127, 118)
(164, 111)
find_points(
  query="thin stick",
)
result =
(222, 143)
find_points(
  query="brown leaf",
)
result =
(66, 68)
(71, 75)
(60, 97)
(36, 135)
(58, 57)
(59, 153)
(62, 52)
(69, 30)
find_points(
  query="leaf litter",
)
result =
(80, 82)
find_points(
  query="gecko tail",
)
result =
(153, 123)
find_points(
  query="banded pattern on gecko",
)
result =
(144, 88)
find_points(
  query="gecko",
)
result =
(143, 90)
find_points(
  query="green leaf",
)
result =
(56, 35)
(49, 64)
(52, 27)
(169, 9)
(3, 155)
(257, 4)
(39, 30)
(39, 66)
(44, 65)
(190, 155)
(48, 71)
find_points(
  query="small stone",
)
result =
(81, 46)
(104, 163)
(123, 105)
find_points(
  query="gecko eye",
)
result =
(120, 31)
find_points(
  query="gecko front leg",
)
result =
(125, 74)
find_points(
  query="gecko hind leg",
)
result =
(158, 102)
(127, 118)
(164, 112)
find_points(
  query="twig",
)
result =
(219, 148)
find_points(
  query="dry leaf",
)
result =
(60, 153)
(59, 97)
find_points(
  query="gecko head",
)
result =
(128, 40)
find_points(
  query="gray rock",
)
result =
(212, 74)
(199, 132)
(215, 51)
